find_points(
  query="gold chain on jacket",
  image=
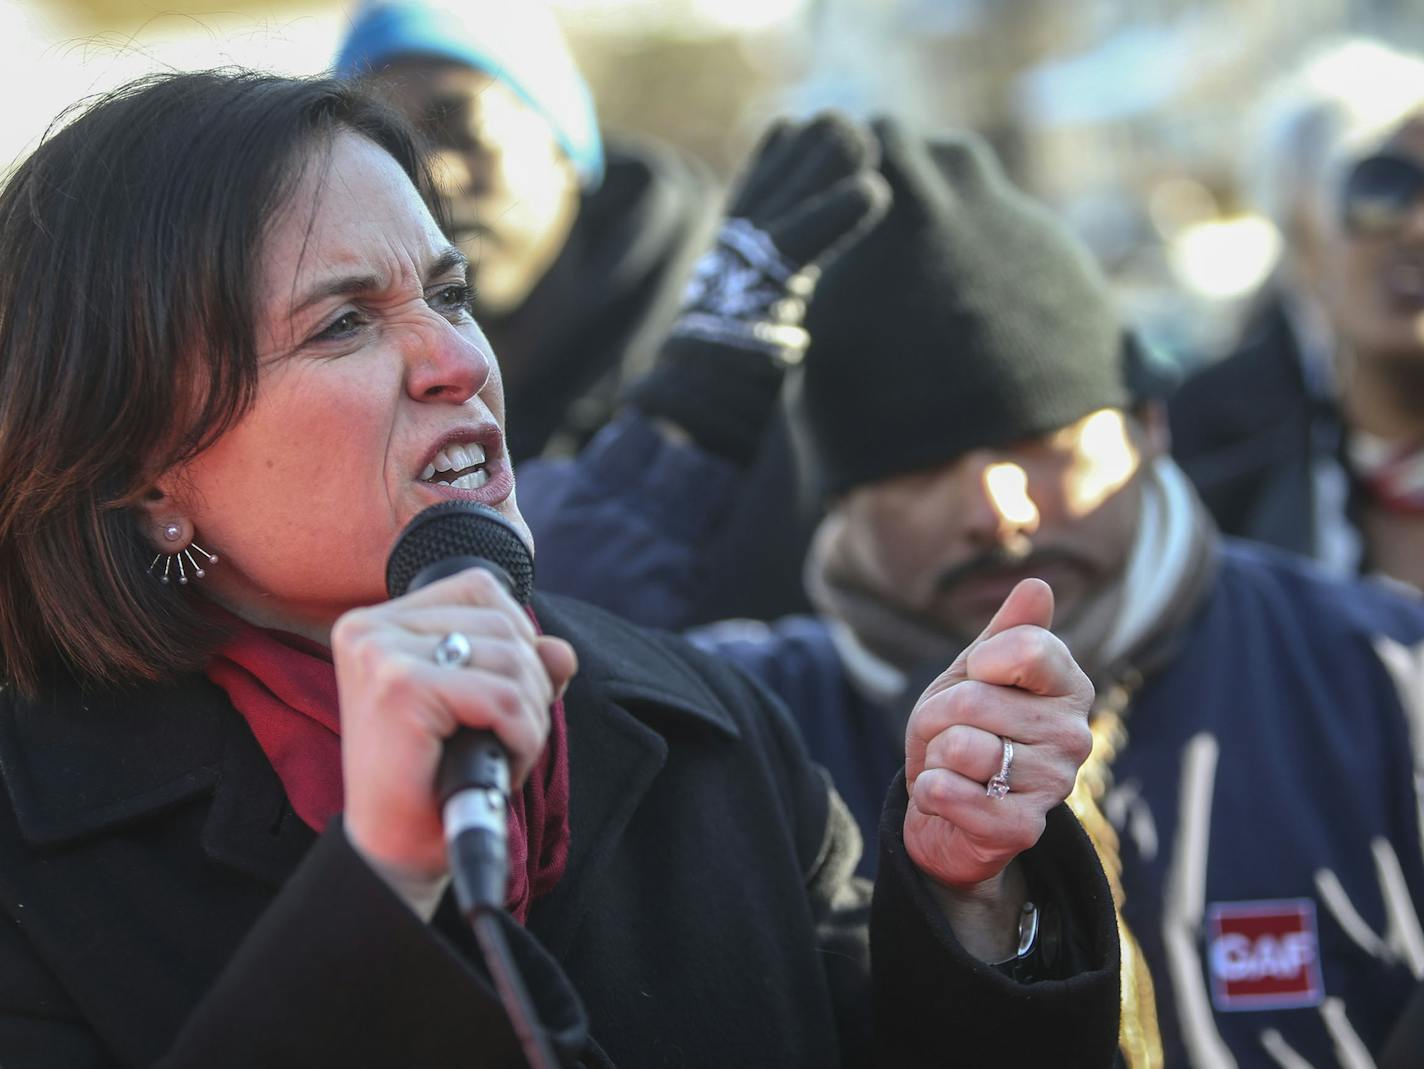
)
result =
(1139, 1037)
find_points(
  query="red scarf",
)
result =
(1391, 474)
(285, 688)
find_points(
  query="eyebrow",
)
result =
(353, 285)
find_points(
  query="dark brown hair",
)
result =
(129, 245)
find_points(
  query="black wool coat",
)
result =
(161, 904)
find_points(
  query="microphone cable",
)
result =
(473, 781)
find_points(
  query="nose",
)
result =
(997, 507)
(1413, 223)
(465, 170)
(446, 365)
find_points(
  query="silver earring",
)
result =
(172, 533)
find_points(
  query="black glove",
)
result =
(810, 191)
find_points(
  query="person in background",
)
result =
(978, 416)
(582, 247)
(1309, 435)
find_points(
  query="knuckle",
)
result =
(1020, 646)
(507, 699)
(927, 716)
(365, 649)
(1055, 649)
(502, 658)
(1027, 831)
(350, 627)
(934, 792)
(964, 701)
(391, 676)
(482, 582)
(957, 746)
(1031, 644)
(502, 626)
(1083, 690)
(480, 587)
(1063, 784)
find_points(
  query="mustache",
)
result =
(1014, 556)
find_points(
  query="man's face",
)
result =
(1373, 274)
(947, 545)
(512, 192)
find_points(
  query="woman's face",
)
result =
(377, 397)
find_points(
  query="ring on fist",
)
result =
(453, 651)
(998, 785)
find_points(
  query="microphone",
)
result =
(473, 781)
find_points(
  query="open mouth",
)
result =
(459, 466)
(1404, 281)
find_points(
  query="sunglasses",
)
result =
(1379, 192)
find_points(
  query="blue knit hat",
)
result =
(517, 43)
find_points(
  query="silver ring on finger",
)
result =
(998, 785)
(453, 651)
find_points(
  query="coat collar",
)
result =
(633, 667)
(77, 763)
(633, 694)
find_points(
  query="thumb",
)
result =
(559, 661)
(1030, 602)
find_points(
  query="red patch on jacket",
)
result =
(1264, 955)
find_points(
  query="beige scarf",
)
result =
(1168, 569)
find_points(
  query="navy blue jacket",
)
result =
(1270, 776)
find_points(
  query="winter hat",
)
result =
(517, 43)
(969, 318)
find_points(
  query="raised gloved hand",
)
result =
(808, 193)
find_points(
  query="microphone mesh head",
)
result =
(454, 529)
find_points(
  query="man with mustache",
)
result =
(975, 414)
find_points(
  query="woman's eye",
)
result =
(343, 327)
(456, 299)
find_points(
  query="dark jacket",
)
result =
(599, 316)
(1286, 732)
(159, 901)
(596, 324)
(1248, 431)
(1279, 696)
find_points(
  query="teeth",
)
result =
(454, 458)
(472, 481)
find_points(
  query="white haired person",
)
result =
(1310, 435)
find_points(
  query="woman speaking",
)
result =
(236, 360)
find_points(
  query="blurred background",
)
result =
(1128, 116)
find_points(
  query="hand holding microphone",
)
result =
(400, 706)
